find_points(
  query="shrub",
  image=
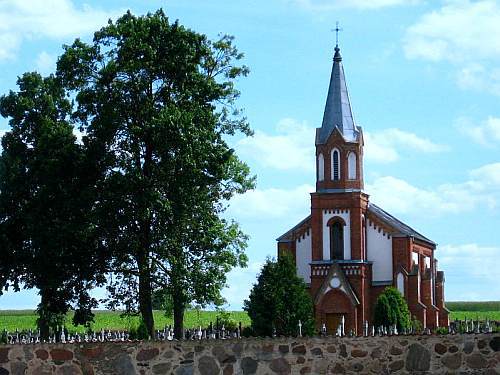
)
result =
(279, 300)
(390, 309)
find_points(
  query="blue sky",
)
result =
(424, 81)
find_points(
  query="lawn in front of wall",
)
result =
(26, 319)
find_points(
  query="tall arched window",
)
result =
(400, 281)
(335, 165)
(321, 167)
(351, 162)
(337, 241)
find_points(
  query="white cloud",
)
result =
(486, 133)
(464, 33)
(467, 265)
(460, 31)
(326, 5)
(291, 148)
(477, 77)
(45, 63)
(399, 197)
(239, 283)
(385, 146)
(272, 202)
(35, 19)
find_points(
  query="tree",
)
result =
(279, 300)
(46, 204)
(156, 104)
(390, 309)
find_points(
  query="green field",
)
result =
(26, 319)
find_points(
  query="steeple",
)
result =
(338, 113)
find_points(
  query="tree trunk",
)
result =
(42, 321)
(145, 293)
(179, 307)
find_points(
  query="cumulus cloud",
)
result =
(291, 147)
(272, 203)
(45, 63)
(385, 146)
(464, 33)
(465, 264)
(486, 133)
(27, 20)
(239, 283)
(400, 197)
(326, 5)
(478, 77)
(459, 31)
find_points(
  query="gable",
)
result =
(335, 279)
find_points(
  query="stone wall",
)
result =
(401, 354)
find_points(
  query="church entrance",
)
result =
(333, 321)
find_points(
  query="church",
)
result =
(348, 249)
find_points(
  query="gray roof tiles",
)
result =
(338, 112)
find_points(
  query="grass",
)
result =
(26, 319)
(474, 310)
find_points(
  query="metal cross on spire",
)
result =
(337, 29)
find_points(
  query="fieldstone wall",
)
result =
(471, 354)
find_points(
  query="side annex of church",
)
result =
(348, 249)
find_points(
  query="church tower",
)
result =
(339, 142)
(348, 250)
(338, 208)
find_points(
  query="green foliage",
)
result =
(162, 300)
(416, 325)
(441, 331)
(390, 309)
(279, 300)
(115, 320)
(480, 306)
(3, 337)
(46, 198)
(156, 102)
(225, 319)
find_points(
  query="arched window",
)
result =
(400, 280)
(351, 161)
(335, 165)
(321, 167)
(337, 241)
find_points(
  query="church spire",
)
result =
(338, 113)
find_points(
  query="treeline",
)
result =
(474, 306)
(136, 201)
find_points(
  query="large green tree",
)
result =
(279, 300)
(156, 104)
(46, 198)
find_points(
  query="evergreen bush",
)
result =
(279, 300)
(390, 309)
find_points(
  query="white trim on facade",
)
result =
(344, 215)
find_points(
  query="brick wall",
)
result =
(400, 354)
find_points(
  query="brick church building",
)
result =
(348, 249)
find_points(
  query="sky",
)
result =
(424, 82)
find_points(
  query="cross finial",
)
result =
(337, 29)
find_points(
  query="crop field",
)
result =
(474, 310)
(26, 319)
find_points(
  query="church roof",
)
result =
(289, 236)
(399, 227)
(338, 112)
(397, 224)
